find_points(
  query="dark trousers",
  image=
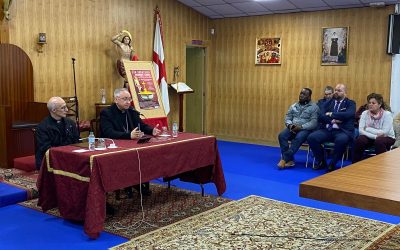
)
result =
(337, 136)
(285, 136)
(381, 144)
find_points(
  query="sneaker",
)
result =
(281, 164)
(289, 164)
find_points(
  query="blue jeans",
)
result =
(337, 136)
(285, 136)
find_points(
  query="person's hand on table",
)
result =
(156, 130)
(136, 133)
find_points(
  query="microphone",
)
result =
(73, 59)
(112, 145)
(138, 112)
(142, 115)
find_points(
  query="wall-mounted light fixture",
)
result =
(41, 42)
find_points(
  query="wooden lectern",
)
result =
(181, 89)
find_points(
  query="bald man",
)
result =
(336, 119)
(55, 130)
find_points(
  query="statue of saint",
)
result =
(126, 52)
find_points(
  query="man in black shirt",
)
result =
(55, 130)
(121, 121)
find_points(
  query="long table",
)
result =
(77, 183)
(371, 184)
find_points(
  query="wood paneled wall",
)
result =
(244, 102)
(249, 102)
(16, 80)
(83, 29)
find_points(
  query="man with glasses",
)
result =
(55, 130)
(121, 121)
(328, 94)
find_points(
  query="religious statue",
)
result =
(126, 52)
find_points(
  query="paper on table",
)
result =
(181, 87)
(82, 150)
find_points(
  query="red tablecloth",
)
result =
(77, 183)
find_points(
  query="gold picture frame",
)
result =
(335, 46)
(146, 95)
(268, 51)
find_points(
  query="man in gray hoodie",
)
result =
(300, 120)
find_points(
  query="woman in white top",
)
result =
(126, 52)
(375, 127)
(396, 127)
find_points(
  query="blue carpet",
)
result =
(249, 169)
(24, 228)
(11, 195)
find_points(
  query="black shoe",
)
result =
(331, 167)
(110, 210)
(145, 189)
(320, 165)
(129, 192)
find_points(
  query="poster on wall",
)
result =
(268, 51)
(145, 91)
(335, 46)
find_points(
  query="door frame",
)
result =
(204, 84)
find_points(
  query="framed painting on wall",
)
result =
(268, 51)
(335, 46)
(145, 91)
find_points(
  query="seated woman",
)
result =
(375, 127)
(396, 127)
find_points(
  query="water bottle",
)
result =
(91, 140)
(174, 129)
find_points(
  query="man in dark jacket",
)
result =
(55, 130)
(121, 121)
(337, 120)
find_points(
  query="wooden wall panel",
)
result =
(16, 80)
(5, 136)
(83, 29)
(249, 102)
(245, 102)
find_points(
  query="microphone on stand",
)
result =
(112, 145)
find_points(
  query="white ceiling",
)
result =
(239, 8)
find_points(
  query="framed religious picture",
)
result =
(146, 95)
(335, 46)
(268, 51)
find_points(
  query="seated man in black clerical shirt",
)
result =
(121, 121)
(55, 130)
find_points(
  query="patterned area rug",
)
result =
(164, 207)
(21, 179)
(388, 241)
(260, 223)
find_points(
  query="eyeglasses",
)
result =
(125, 99)
(64, 107)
